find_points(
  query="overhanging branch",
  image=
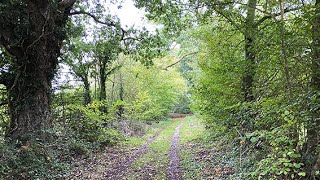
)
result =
(107, 23)
(237, 26)
(275, 15)
(182, 58)
(113, 70)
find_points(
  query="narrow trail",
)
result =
(174, 152)
(120, 169)
(112, 164)
(174, 170)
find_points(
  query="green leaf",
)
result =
(297, 165)
(302, 174)
(254, 139)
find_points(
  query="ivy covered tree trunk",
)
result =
(32, 33)
(87, 96)
(29, 97)
(249, 32)
(103, 79)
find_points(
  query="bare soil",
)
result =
(174, 170)
(177, 115)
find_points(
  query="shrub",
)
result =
(91, 122)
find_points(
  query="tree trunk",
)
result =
(121, 93)
(87, 96)
(35, 57)
(250, 30)
(29, 104)
(103, 79)
(112, 89)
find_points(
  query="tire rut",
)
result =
(119, 170)
(174, 170)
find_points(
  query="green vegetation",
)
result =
(76, 84)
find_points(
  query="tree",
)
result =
(31, 33)
(246, 17)
(249, 33)
(108, 46)
(78, 58)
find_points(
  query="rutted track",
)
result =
(174, 170)
(112, 164)
(118, 171)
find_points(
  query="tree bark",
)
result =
(103, 79)
(121, 94)
(87, 96)
(250, 30)
(29, 103)
(35, 57)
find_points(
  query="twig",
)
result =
(166, 68)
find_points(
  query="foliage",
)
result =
(272, 60)
(183, 106)
(220, 60)
(280, 162)
(249, 69)
(42, 158)
(150, 93)
(92, 124)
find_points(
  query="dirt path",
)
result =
(120, 168)
(177, 152)
(174, 170)
(111, 164)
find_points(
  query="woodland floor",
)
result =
(172, 150)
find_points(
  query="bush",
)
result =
(91, 123)
(281, 160)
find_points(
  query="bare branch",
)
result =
(108, 23)
(275, 15)
(182, 58)
(237, 26)
(113, 70)
(132, 38)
